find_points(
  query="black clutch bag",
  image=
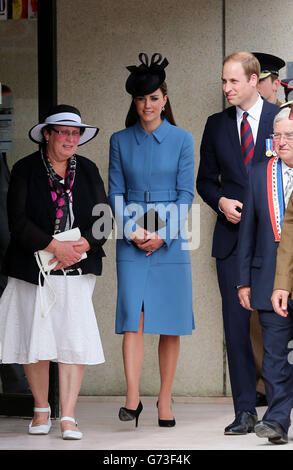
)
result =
(151, 221)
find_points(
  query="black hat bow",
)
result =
(146, 78)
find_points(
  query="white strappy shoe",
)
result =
(69, 433)
(42, 428)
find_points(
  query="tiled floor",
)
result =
(200, 425)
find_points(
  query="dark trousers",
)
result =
(277, 368)
(13, 379)
(257, 347)
(237, 335)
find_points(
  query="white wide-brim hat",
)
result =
(63, 115)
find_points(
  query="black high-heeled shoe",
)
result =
(125, 414)
(166, 423)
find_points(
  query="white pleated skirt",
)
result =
(68, 333)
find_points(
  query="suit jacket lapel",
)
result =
(262, 134)
(234, 138)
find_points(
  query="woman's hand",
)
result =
(146, 241)
(65, 253)
(152, 243)
(85, 246)
(139, 236)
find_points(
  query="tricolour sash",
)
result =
(275, 195)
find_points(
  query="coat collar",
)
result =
(159, 134)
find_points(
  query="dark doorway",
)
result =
(43, 70)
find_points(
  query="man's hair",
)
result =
(274, 77)
(282, 115)
(248, 61)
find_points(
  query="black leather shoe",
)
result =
(261, 399)
(272, 430)
(243, 423)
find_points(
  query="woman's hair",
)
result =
(49, 127)
(132, 116)
(248, 61)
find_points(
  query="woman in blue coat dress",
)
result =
(151, 172)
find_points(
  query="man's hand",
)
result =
(244, 297)
(231, 209)
(280, 302)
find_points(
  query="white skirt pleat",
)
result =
(68, 333)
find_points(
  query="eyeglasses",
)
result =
(288, 136)
(66, 133)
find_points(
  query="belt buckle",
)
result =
(147, 196)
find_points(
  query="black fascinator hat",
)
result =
(146, 78)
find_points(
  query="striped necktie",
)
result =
(247, 144)
(289, 186)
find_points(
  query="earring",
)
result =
(163, 109)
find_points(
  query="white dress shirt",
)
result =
(285, 178)
(284, 174)
(253, 118)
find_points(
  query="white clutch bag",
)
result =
(43, 257)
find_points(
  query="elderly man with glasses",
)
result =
(267, 195)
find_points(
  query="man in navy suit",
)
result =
(266, 198)
(222, 177)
